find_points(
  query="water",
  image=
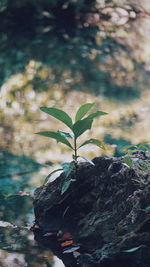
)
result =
(86, 60)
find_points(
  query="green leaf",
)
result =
(58, 114)
(128, 161)
(126, 149)
(88, 160)
(66, 134)
(144, 146)
(93, 141)
(64, 213)
(66, 185)
(133, 249)
(96, 114)
(48, 176)
(57, 136)
(83, 110)
(68, 167)
(81, 126)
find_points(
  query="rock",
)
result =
(106, 211)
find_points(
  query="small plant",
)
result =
(129, 149)
(144, 146)
(70, 139)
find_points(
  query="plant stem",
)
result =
(75, 154)
(75, 150)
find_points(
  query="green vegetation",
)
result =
(80, 126)
(103, 57)
(144, 146)
(143, 166)
(87, 33)
(129, 149)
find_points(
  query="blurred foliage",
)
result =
(117, 143)
(87, 44)
(16, 209)
(17, 246)
(64, 53)
(13, 165)
(15, 178)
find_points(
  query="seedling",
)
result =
(70, 139)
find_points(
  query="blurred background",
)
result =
(64, 53)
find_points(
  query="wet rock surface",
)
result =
(103, 219)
